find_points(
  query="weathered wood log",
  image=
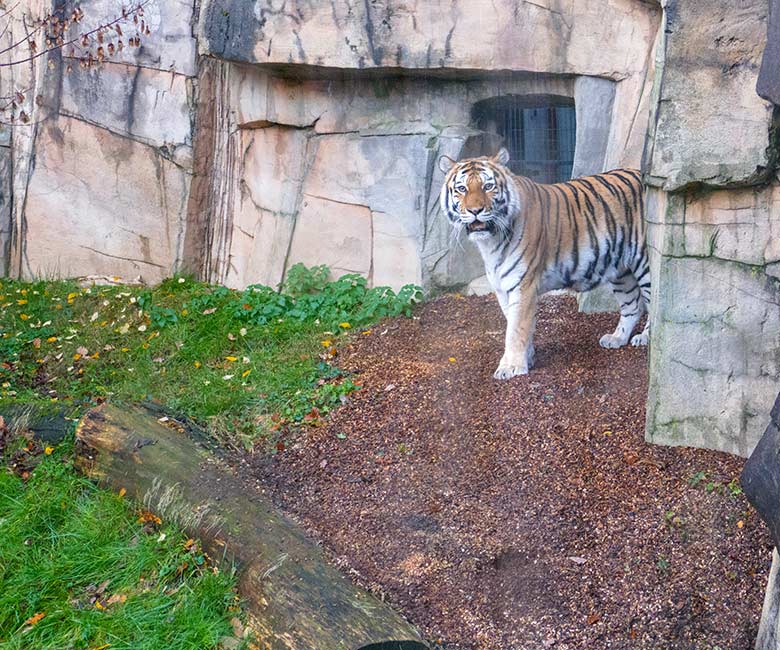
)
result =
(294, 598)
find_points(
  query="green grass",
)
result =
(61, 538)
(243, 363)
(246, 364)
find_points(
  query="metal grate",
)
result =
(540, 137)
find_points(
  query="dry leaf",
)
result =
(34, 619)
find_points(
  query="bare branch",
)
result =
(76, 39)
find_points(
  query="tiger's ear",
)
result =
(446, 163)
(502, 157)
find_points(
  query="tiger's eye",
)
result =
(488, 186)
(460, 188)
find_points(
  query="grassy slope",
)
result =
(247, 364)
(61, 538)
(240, 362)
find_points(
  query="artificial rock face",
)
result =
(712, 205)
(308, 134)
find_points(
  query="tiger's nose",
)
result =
(474, 211)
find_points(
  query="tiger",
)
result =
(535, 238)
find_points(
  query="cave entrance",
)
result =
(539, 132)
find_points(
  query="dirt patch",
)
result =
(523, 514)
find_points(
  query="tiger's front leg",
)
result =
(520, 315)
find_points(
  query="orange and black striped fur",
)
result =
(535, 238)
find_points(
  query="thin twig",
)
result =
(71, 41)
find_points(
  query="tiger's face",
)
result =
(476, 195)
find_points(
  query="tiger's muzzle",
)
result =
(480, 226)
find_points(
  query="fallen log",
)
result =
(294, 598)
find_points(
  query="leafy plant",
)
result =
(301, 280)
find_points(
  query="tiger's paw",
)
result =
(639, 339)
(508, 369)
(611, 341)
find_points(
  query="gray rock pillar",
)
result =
(593, 101)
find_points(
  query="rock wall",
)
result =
(713, 232)
(343, 171)
(108, 157)
(307, 133)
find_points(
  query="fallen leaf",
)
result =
(576, 559)
(122, 492)
(48, 450)
(146, 517)
(35, 618)
(206, 312)
(593, 618)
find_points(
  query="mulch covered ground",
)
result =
(523, 514)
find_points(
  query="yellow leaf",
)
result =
(96, 355)
(23, 316)
(452, 359)
(122, 492)
(21, 302)
(99, 605)
(113, 599)
(197, 364)
(231, 359)
(184, 312)
(102, 647)
(76, 356)
(326, 343)
(148, 517)
(245, 373)
(34, 619)
(346, 326)
(124, 349)
(51, 339)
(72, 295)
(48, 450)
(740, 524)
(367, 332)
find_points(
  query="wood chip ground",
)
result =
(524, 514)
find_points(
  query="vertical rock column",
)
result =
(713, 235)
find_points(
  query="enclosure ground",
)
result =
(523, 514)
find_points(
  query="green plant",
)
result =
(697, 478)
(301, 280)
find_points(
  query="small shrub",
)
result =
(306, 297)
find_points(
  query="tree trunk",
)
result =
(294, 598)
